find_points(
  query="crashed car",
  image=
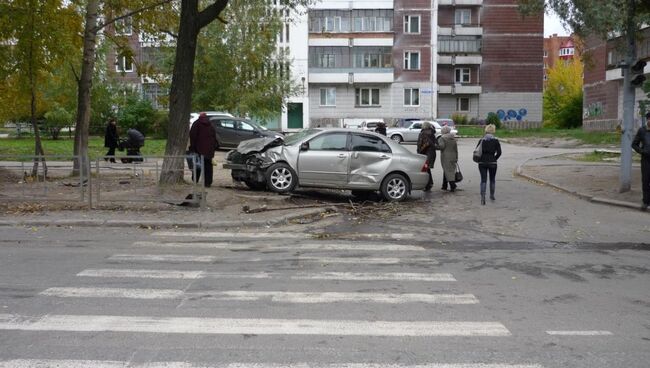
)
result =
(360, 161)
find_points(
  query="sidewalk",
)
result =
(595, 182)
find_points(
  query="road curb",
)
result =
(169, 224)
(612, 202)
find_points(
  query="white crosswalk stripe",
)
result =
(40, 363)
(275, 296)
(342, 276)
(210, 259)
(260, 326)
(302, 247)
(274, 235)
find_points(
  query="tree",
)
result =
(238, 67)
(57, 119)
(563, 95)
(192, 21)
(32, 47)
(605, 18)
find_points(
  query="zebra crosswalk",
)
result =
(263, 285)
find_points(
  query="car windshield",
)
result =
(256, 125)
(298, 136)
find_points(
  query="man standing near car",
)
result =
(641, 144)
(203, 140)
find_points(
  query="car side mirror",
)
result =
(304, 146)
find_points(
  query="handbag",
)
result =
(458, 177)
(478, 152)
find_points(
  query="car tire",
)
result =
(281, 178)
(255, 185)
(397, 138)
(395, 188)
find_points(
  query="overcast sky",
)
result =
(552, 25)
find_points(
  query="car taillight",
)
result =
(425, 167)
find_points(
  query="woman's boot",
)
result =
(483, 185)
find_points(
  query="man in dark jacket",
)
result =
(641, 144)
(111, 140)
(203, 140)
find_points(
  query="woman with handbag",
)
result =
(448, 158)
(490, 151)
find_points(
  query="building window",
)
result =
(411, 97)
(463, 16)
(411, 24)
(412, 60)
(286, 30)
(463, 75)
(328, 96)
(332, 24)
(462, 104)
(464, 44)
(545, 53)
(367, 96)
(326, 61)
(545, 77)
(123, 64)
(124, 26)
(372, 57)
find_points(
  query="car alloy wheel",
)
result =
(394, 188)
(281, 178)
(397, 138)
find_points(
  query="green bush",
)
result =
(160, 123)
(57, 119)
(136, 113)
(492, 118)
(459, 119)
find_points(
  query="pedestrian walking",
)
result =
(203, 140)
(641, 144)
(381, 128)
(487, 163)
(111, 140)
(448, 158)
(427, 145)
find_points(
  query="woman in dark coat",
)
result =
(427, 145)
(487, 164)
(111, 140)
(381, 128)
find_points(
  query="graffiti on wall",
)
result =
(593, 110)
(511, 115)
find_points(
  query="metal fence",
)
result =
(134, 179)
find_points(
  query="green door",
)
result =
(295, 115)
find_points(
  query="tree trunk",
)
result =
(625, 176)
(38, 145)
(180, 95)
(85, 84)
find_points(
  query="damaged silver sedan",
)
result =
(362, 162)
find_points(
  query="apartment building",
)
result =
(559, 48)
(603, 82)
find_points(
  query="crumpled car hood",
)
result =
(258, 144)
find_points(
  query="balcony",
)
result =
(350, 42)
(461, 30)
(460, 2)
(350, 75)
(460, 89)
(462, 60)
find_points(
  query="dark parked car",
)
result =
(231, 131)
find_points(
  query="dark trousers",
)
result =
(452, 184)
(207, 169)
(645, 178)
(111, 153)
(430, 183)
(486, 169)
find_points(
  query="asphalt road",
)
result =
(92, 297)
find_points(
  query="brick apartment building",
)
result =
(603, 82)
(558, 48)
(360, 59)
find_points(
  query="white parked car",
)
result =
(411, 131)
(370, 125)
(195, 115)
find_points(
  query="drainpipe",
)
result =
(434, 59)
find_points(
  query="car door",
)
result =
(370, 158)
(325, 162)
(225, 129)
(413, 132)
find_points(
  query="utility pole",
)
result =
(628, 100)
(434, 59)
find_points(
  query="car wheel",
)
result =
(397, 138)
(281, 178)
(255, 185)
(394, 188)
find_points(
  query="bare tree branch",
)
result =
(74, 72)
(168, 32)
(113, 20)
(207, 15)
